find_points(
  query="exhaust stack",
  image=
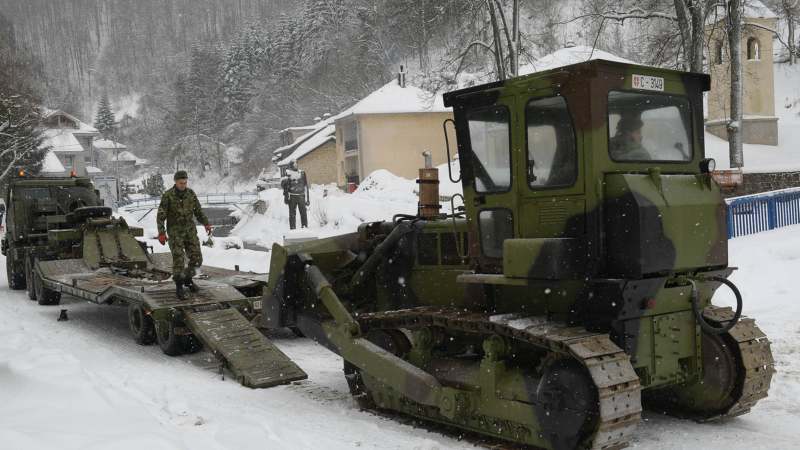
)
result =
(428, 206)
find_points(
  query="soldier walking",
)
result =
(179, 207)
(296, 195)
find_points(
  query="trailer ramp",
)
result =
(254, 360)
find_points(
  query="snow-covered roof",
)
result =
(128, 156)
(393, 99)
(568, 56)
(325, 135)
(83, 128)
(108, 144)
(93, 170)
(61, 140)
(301, 128)
(51, 163)
(754, 9)
(313, 129)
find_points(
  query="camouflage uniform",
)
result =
(179, 209)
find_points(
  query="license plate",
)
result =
(647, 83)
(257, 305)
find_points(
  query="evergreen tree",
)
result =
(154, 185)
(20, 136)
(104, 121)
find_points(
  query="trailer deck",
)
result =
(214, 315)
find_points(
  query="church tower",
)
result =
(760, 126)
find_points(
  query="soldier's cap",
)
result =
(181, 175)
(629, 122)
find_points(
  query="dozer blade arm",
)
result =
(388, 368)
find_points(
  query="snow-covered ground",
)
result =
(84, 384)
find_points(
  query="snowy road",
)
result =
(84, 384)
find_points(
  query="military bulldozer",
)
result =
(574, 285)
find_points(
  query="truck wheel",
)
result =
(44, 295)
(29, 286)
(171, 344)
(141, 324)
(16, 280)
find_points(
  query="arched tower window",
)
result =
(718, 49)
(753, 49)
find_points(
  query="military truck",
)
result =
(61, 240)
(39, 208)
(572, 288)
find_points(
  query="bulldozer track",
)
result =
(618, 387)
(756, 359)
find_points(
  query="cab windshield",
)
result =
(649, 127)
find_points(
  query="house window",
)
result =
(753, 49)
(350, 136)
(69, 162)
(718, 53)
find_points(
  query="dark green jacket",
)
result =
(179, 209)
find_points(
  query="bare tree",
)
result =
(734, 25)
(790, 10)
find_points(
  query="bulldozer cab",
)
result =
(537, 151)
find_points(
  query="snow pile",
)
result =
(379, 197)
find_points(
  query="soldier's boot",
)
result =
(190, 284)
(188, 281)
(179, 292)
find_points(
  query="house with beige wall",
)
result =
(759, 124)
(389, 129)
(315, 153)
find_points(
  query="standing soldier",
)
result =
(179, 207)
(296, 195)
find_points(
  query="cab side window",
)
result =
(489, 135)
(552, 153)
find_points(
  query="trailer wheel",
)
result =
(16, 280)
(141, 324)
(171, 344)
(29, 286)
(44, 295)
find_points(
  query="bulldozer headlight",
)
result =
(708, 165)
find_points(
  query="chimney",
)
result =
(401, 77)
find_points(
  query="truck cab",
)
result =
(40, 209)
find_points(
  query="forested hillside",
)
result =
(198, 76)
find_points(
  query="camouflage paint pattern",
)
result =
(492, 314)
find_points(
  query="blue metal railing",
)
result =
(761, 212)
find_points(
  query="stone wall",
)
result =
(754, 183)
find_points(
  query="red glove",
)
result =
(208, 229)
(162, 238)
